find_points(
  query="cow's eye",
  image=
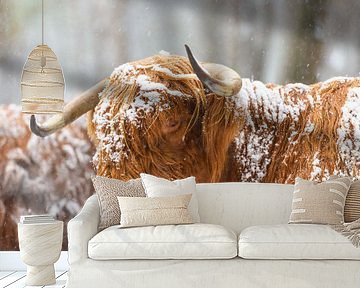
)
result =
(171, 125)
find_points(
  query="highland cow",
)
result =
(37, 175)
(174, 117)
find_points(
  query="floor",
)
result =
(16, 279)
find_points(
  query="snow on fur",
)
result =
(310, 131)
(298, 130)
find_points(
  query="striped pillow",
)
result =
(352, 203)
(320, 203)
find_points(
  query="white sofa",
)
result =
(250, 221)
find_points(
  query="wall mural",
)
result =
(170, 117)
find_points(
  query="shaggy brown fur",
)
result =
(265, 133)
(187, 131)
(309, 144)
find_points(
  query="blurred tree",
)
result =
(308, 44)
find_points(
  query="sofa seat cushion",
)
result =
(192, 241)
(295, 241)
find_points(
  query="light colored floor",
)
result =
(16, 279)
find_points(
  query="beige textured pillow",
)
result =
(352, 203)
(159, 187)
(138, 211)
(107, 190)
(321, 203)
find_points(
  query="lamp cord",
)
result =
(42, 21)
(43, 58)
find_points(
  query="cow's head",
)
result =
(155, 116)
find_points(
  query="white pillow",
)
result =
(160, 187)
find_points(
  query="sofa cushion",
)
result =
(352, 203)
(145, 211)
(295, 241)
(107, 189)
(160, 187)
(192, 241)
(319, 203)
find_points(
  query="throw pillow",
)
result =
(107, 190)
(352, 203)
(320, 203)
(139, 211)
(160, 187)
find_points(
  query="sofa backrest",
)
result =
(237, 205)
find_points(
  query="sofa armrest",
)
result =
(82, 228)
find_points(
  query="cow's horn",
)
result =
(218, 78)
(73, 110)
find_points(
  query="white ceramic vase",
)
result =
(40, 247)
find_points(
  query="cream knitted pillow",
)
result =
(107, 190)
(139, 211)
(321, 203)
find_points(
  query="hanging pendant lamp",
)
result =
(42, 80)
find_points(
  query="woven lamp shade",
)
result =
(42, 83)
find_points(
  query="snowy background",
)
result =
(273, 41)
